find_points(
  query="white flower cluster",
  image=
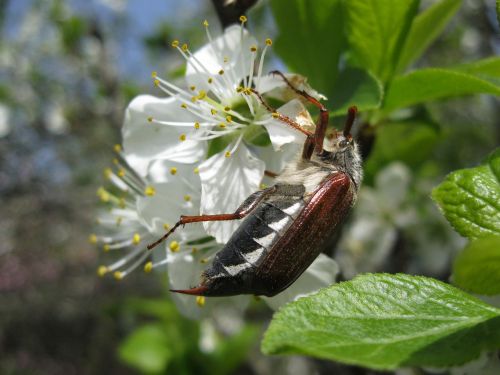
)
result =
(202, 149)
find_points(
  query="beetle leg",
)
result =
(243, 210)
(322, 123)
(270, 174)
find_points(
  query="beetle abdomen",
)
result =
(232, 271)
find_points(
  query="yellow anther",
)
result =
(227, 154)
(166, 226)
(187, 198)
(150, 191)
(192, 88)
(196, 170)
(108, 173)
(202, 94)
(184, 47)
(210, 80)
(262, 186)
(253, 48)
(194, 250)
(136, 239)
(103, 195)
(156, 82)
(226, 59)
(229, 119)
(200, 301)
(243, 19)
(222, 125)
(275, 114)
(115, 161)
(118, 275)
(227, 108)
(173, 171)
(204, 260)
(148, 267)
(102, 270)
(182, 137)
(175, 43)
(194, 99)
(247, 91)
(269, 42)
(106, 248)
(93, 239)
(239, 89)
(174, 246)
(121, 202)
(121, 172)
(205, 23)
(196, 125)
(117, 148)
(221, 72)
(183, 105)
(213, 112)
(154, 74)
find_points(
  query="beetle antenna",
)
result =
(351, 116)
(198, 291)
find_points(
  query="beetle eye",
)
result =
(343, 143)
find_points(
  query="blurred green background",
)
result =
(67, 71)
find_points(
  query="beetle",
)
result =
(286, 225)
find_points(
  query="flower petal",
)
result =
(144, 141)
(321, 273)
(274, 86)
(281, 133)
(231, 46)
(225, 183)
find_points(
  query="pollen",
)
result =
(173, 171)
(150, 191)
(202, 94)
(117, 148)
(154, 74)
(182, 137)
(269, 42)
(156, 82)
(200, 301)
(121, 172)
(148, 267)
(175, 43)
(239, 89)
(210, 80)
(205, 23)
(221, 72)
(93, 239)
(275, 114)
(174, 246)
(253, 48)
(184, 47)
(136, 239)
(243, 19)
(196, 125)
(222, 125)
(118, 275)
(166, 226)
(183, 105)
(227, 154)
(196, 170)
(229, 119)
(102, 270)
(105, 248)
(213, 112)
(187, 198)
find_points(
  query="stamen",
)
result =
(184, 47)
(174, 246)
(102, 270)
(117, 148)
(196, 125)
(148, 267)
(150, 119)
(243, 19)
(175, 43)
(150, 191)
(106, 248)
(166, 226)
(200, 301)
(93, 239)
(136, 239)
(154, 74)
(118, 275)
(173, 171)
(182, 137)
(196, 170)
(187, 198)
(205, 23)
(227, 154)
(269, 43)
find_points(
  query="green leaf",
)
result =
(310, 38)
(147, 349)
(425, 29)
(356, 87)
(477, 267)
(386, 321)
(470, 198)
(377, 30)
(431, 84)
(488, 69)
(411, 142)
